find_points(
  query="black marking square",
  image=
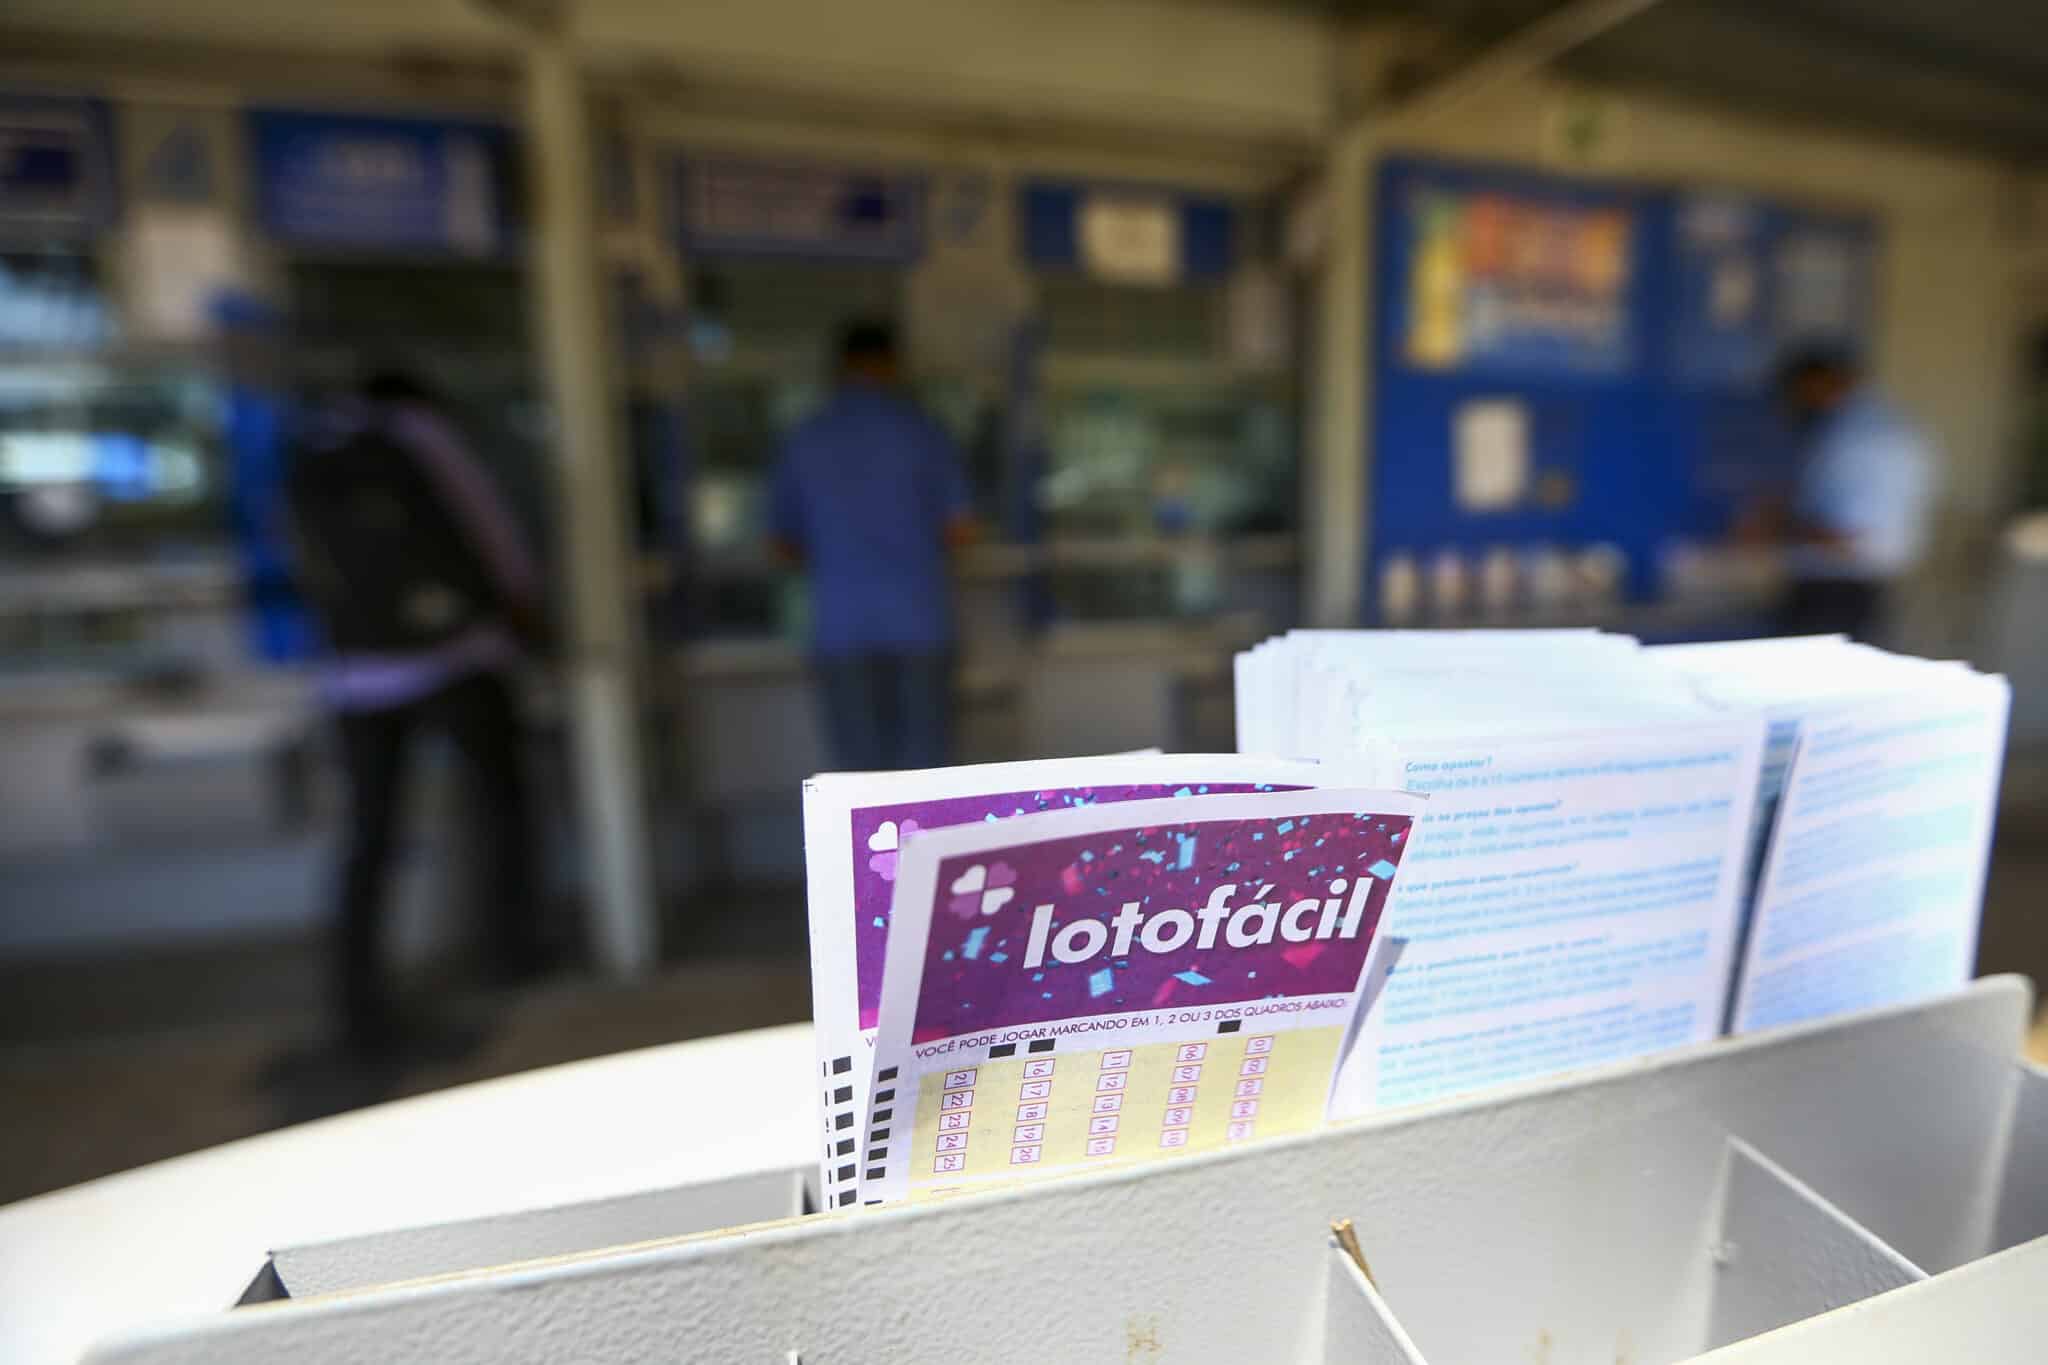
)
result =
(1041, 1045)
(843, 1095)
(841, 1065)
(1230, 1026)
(1002, 1050)
(887, 1073)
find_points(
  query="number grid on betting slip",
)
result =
(1013, 1113)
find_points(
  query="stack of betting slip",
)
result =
(1630, 848)
(1876, 801)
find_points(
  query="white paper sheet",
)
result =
(1482, 995)
(1490, 445)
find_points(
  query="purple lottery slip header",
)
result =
(879, 831)
(1170, 915)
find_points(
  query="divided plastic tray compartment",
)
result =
(420, 1253)
(1652, 1260)
(1989, 1312)
(2021, 1214)
(1992, 1310)
(1668, 1262)
(1781, 1186)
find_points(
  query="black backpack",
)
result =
(381, 556)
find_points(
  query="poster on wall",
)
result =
(1500, 278)
(1825, 276)
(1721, 305)
(382, 183)
(1751, 279)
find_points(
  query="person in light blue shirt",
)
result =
(1857, 520)
(869, 496)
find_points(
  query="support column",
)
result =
(601, 667)
(1339, 471)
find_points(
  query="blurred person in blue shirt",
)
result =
(1865, 480)
(869, 496)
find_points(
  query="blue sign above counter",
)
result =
(56, 166)
(395, 184)
(1127, 234)
(736, 207)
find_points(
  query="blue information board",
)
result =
(1500, 287)
(383, 183)
(1632, 332)
(56, 167)
(737, 207)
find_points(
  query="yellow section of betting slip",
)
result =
(1032, 1113)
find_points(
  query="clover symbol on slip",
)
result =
(883, 845)
(983, 889)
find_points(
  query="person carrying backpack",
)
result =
(426, 591)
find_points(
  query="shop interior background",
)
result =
(1244, 316)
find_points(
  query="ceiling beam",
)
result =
(1523, 53)
(1923, 53)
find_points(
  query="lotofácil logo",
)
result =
(1244, 926)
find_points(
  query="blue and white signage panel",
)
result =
(383, 183)
(739, 207)
(1127, 234)
(1721, 333)
(1750, 279)
(56, 165)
